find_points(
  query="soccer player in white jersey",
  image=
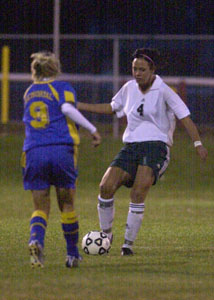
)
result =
(150, 107)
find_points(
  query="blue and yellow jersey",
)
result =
(45, 124)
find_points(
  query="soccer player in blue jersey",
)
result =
(50, 153)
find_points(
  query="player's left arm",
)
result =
(194, 135)
(72, 113)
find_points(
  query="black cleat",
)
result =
(126, 251)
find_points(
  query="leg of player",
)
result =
(143, 181)
(111, 181)
(38, 224)
(70, 226)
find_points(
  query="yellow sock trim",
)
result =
(40, 224)
(40, 213)
(68, 217)
(71, 232)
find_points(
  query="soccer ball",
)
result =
(96, 243)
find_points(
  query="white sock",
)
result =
(134, 221)
(106, 211)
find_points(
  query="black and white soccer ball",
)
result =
(96, 243)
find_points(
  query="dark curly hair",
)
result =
(152, 56)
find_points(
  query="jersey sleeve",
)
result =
(117, 103)
(67, 94)
(76, 116)
(175, 103)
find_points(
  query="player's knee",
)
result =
(107, 189)
(65, 198)
(42, 205)
(138, 194)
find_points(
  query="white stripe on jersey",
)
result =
(166, 162)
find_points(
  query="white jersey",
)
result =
(150, 116)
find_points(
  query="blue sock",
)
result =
(70, 229)
(38, 224)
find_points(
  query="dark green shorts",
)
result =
(154, 154)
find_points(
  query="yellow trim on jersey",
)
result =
(75, 147)
(69, 96)
(73, 131)
(44, 81)
(69, 217)
(55, 93)
(26, 92)
(38, 94)
(23, 160)
(39, 213)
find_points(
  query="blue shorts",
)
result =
(50, 165)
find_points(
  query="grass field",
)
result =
(174, 251)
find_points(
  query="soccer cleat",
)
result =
(126, 251)
(72, 261)
(36, 254)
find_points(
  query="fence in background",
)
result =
(97, 65)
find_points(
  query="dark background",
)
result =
(186, 57)
(109, 17)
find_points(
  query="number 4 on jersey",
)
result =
(140, 110)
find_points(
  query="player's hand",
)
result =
(96, 139)
(202, 152)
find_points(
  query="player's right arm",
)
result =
(116, 106)
(100, 108)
